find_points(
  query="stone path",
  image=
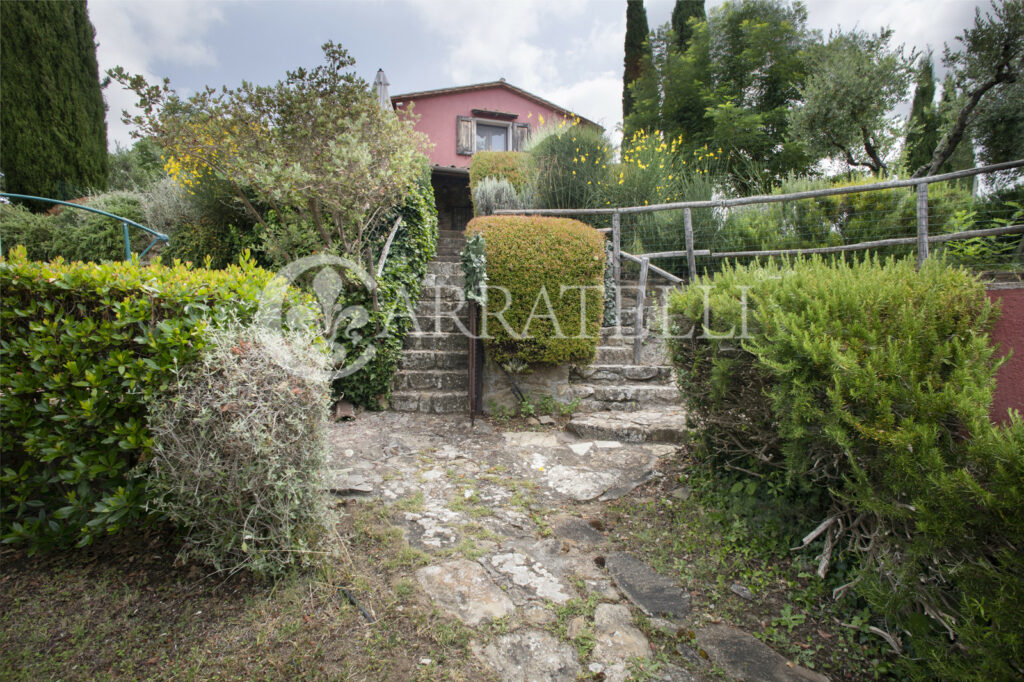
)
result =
(505, 518)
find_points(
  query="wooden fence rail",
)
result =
(922, 240)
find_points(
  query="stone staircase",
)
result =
(614, 382)
(433, 372)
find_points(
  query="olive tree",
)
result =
(986, 66)
(313, 158)
(853, 83)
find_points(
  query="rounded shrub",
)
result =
(545, 288)
(86, 236)
(511, 166)
(239, 442)
(34, 231)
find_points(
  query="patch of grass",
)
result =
(468, 502)
(712, 540)
(577, 608)
(414, 503)
(121, 610)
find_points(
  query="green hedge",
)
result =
(528, 256)
(83, 346)
(398, 291)
(864, 389)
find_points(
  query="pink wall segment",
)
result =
(1009, 334)
(439, 113)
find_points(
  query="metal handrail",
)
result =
(125, 222)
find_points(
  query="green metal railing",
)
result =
(125, 223)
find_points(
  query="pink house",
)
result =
(460, 121)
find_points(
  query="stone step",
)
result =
(614, 355)
(620, 373)
(442, 323)
(622, 397)
(659, 425)
(435, 342)
(431, 402)
(444, 306)
(432, 291)
(436, 380)
(451, 234)
(446, 243)
(444, 268)
(450, 281)
(430, 359)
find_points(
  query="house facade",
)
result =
(461, 121)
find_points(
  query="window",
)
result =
(487, 135)
(491, 138)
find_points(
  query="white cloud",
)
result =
(137, 35)
(490, 40)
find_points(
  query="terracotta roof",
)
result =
(493, 84)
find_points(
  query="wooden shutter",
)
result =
(464, 135)
(520, 134)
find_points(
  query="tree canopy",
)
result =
(322, 159)
(987, 64)
(854, 82)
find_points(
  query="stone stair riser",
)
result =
(432, 359)
(437, 342)
(415, 380)
(430, 402)
(619, 374)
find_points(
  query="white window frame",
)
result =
(507, 125)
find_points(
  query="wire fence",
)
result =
(973, 218)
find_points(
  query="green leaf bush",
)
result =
(531, 256)
(865, 386)
(398, 290)
(239, 443)
(84, 346)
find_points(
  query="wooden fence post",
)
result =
(617, 264)
(691, 262)
(638, 316)
(922, 223)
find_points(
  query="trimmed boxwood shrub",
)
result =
(83, 347)
(863, 387)
(511, 166)
(532, 258)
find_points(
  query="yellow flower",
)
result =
(540, 117)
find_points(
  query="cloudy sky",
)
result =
(568, 51)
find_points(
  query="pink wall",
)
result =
(438, 114)
(1009, 334)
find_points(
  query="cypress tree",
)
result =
(53, 130)
(923, 132)
(637, 49)
(949, 106)
(683, 11)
